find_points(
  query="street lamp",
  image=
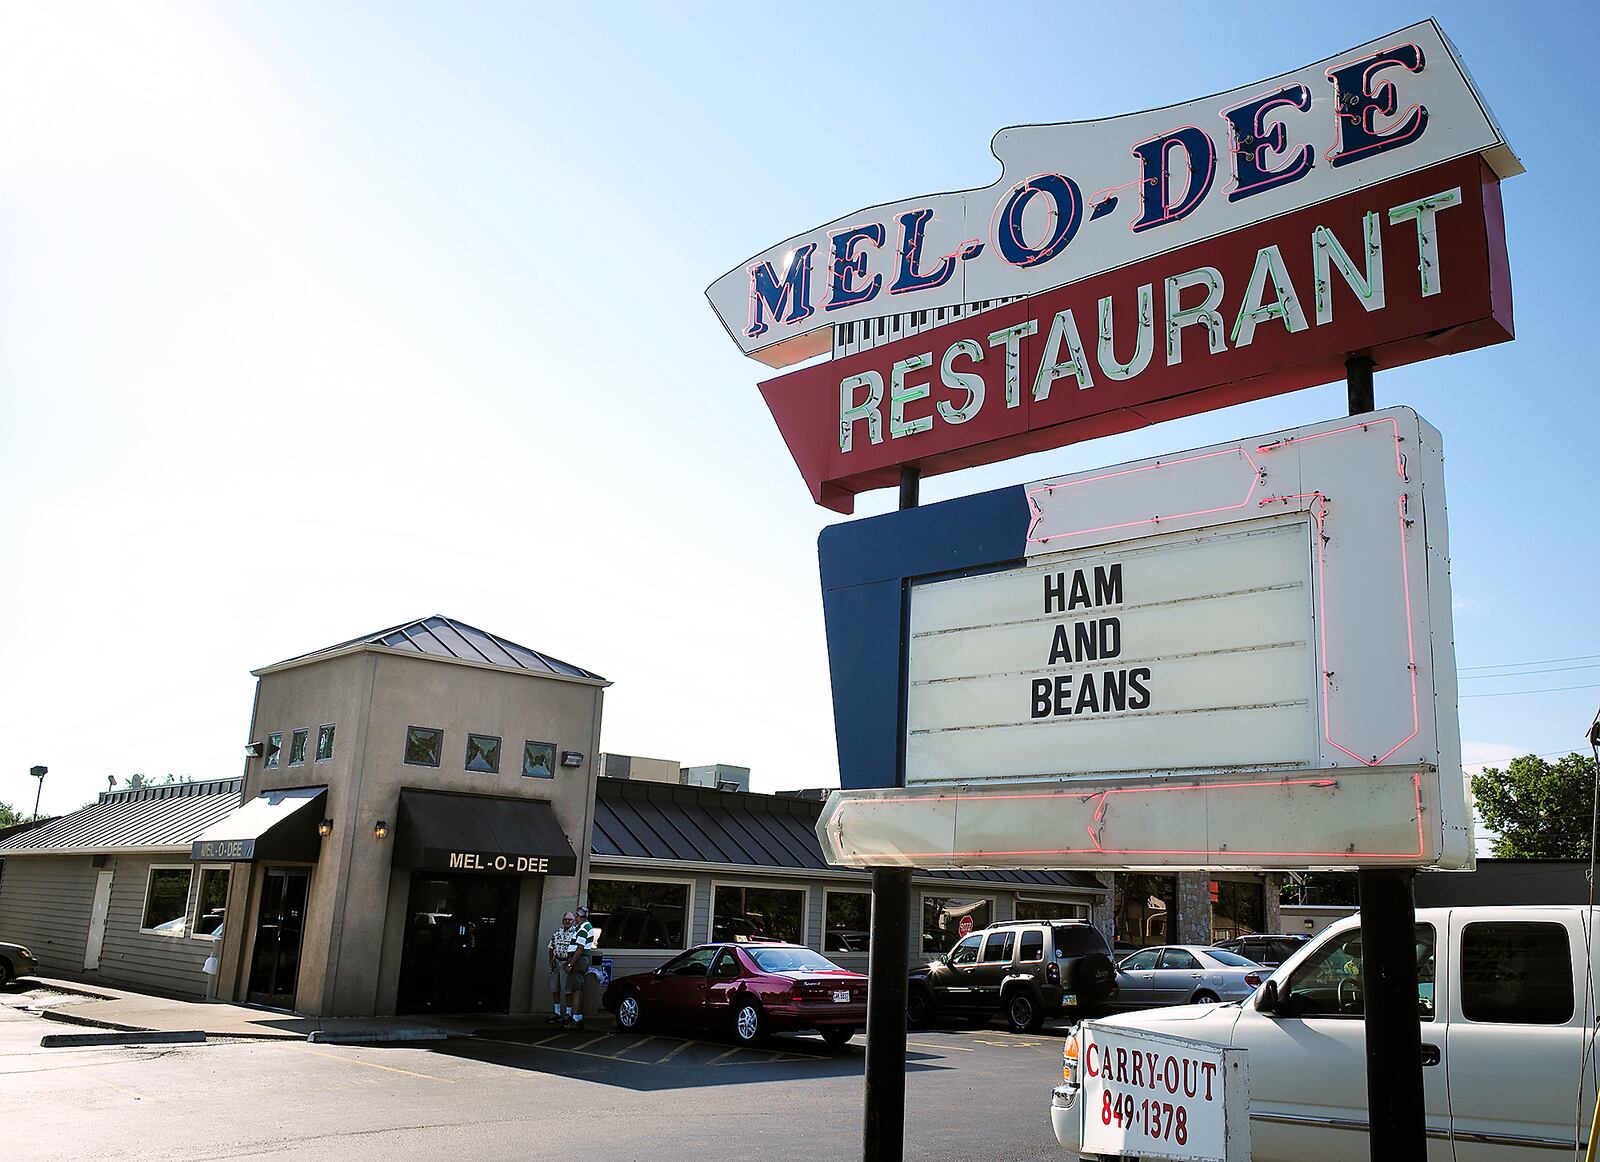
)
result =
(38, 773)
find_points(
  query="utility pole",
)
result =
(883, 1131)
(1397, 1128)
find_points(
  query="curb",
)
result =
(373, 1036)
(70, 988)
(73, 1040)
(86, 1022)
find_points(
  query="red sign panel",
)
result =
(1402, 271)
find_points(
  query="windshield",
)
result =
(1231, 959)
(791, 960)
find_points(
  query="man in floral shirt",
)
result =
(560, 947)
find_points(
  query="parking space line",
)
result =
(676, 1051)
(723, 1056)
(375, 1065)
(113, 1085)
(632, 1045)
(546, 1041)
(926, 1045)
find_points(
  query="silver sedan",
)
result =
(1185, 974)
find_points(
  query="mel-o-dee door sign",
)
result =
(1235, 656)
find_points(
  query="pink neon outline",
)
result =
(1399, 462)
(1416, 785)
(1366, 77)
(861, 269)
(751, 320)
(1282, 127)
(1211, 175)
(1016, 189)
(1038, 513)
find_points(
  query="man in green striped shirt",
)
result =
(577, 966)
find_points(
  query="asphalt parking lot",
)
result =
(516, 1092)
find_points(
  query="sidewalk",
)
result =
(100, 1007)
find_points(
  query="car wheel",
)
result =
(749, 1022)
(919, 1008)
(837, 1035)
(630, 1012)
(1023, 1013)
(1204, 998)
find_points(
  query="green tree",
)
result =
(8, 816)
(1540, 810)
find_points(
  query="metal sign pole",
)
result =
(1397, 1124)
(888, 956)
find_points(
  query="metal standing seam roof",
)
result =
(155, 818)
(640, 820)
(445, 637)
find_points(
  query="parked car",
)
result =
(1026, 969)
(749, 989)
(1507, 1001)
(1185, 974)
(15, 961)
(1269, 951)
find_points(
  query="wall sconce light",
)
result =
(252, 750)
(380, 829)
(325, 828)
(571, 758)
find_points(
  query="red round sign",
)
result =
(965, 927)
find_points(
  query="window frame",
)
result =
(302, 735)
(1574, 984)
(922, 908)
(555, 758)
(977, 950)
(1007, 939)
(827, 893)
(1172, 950)
(270, 760)
(689, 942)
(1022, 938)
(188, 893)
(804, 891)
(405, 747)
(201, 870)
(466, 755)
(318, 757)
(1287, 990)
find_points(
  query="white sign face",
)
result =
(1174, 653)
(1150, 1096)
(1081, 198)
(1239, 656)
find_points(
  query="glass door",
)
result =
(275, 964)
(460, 943)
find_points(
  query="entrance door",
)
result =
(461, 937)
(275, 966)
(97, 919)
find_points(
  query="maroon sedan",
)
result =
(753, 989)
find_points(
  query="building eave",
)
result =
(413, 655)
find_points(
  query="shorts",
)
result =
(576, 973)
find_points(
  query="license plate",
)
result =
(842, 997)
(1069, 999)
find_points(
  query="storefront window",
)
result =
(274, 748)
(423, 745)
(483, 753)
(211, 903)
(325, 743)
(757, 914)
(848, 925)
(297, 747)
(639, 914)
(1147, 910)
(539, 760)
(946, 919)
(1237, 908)
(1051, 910)
(166, 900)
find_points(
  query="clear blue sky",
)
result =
(319, 318)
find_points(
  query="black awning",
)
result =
(273, 825)
(447, 831)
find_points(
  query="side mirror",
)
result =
(1267, 1000)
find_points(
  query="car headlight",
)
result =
(26, 955)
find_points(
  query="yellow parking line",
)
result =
(722, 1056)
(546, 1041)
(676, 1051)
(375, 1065)
(632, 1045)
(113, 1085)
(926, 1045)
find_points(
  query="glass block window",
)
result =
(424, 744)
(297, 747)
(325, 743)
(274, 749)
(539, 760)
(483, 753)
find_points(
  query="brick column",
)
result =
(1194, 908)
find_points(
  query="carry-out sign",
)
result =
(1234, 656)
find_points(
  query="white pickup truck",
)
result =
(1508, 1006)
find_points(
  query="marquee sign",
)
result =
(1253, 636)
(1078, 199)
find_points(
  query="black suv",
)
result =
(1268, 951)
(1026, 969)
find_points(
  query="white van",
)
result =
(1508, 1006)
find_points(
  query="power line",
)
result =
(1537, 662)
(1530, 673)
(1545, 690)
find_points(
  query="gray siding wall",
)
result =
(45, 902)
(168, 964)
